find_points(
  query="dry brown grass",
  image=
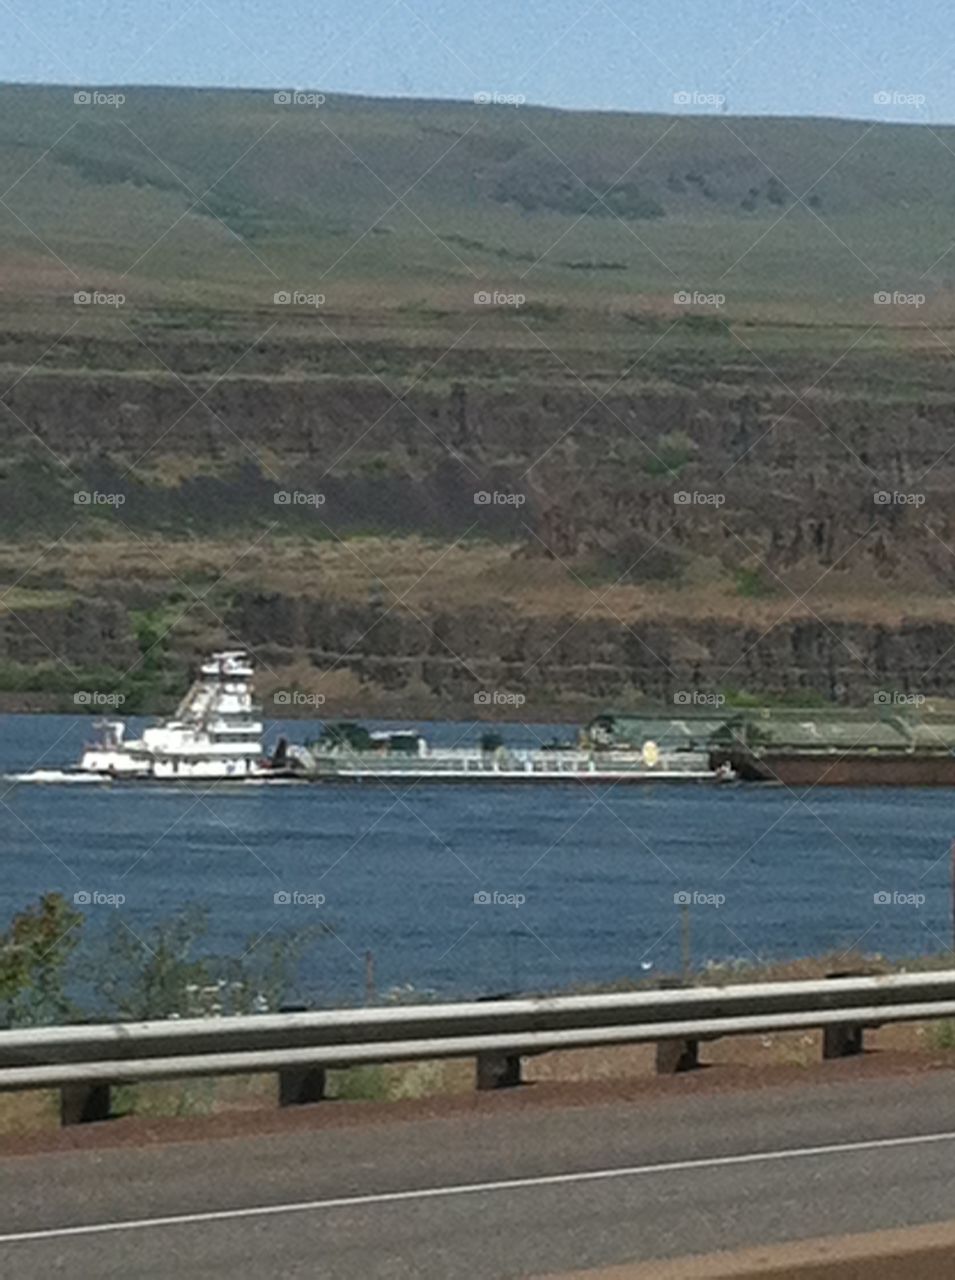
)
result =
(433, 576)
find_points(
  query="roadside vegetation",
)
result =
(53, 970)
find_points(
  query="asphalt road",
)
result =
(516, 1192)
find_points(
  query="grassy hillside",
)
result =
(223, 197)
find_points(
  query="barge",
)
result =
(350, 753)
(888, 746)
(897, 742)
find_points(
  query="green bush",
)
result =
(161, 971)
(673, 451)
(751, 584)
(33, 955)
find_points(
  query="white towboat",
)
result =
(215, 734)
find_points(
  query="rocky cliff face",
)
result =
(366, 658)
(558, 660)
(723, 480)
(799, 483)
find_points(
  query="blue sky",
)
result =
(877, 59)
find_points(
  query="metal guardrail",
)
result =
(83, 1061)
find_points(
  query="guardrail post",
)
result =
(843, 1039)
(301, 1085)
(677, 1055)
(498, 1070)
(84, 1103)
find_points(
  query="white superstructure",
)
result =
(216, 732)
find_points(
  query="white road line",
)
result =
(476, 1188)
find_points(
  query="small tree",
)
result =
(161, 972)
(33, 955)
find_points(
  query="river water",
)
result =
(584, 882)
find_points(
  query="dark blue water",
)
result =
(598, 869)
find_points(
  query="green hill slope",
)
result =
(223, 193)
